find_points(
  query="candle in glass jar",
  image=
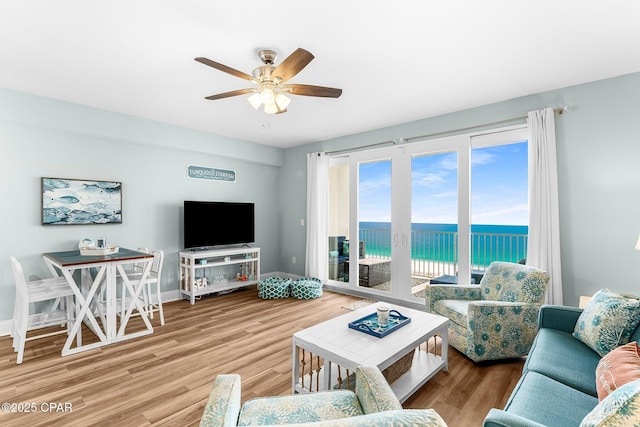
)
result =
(383, 315)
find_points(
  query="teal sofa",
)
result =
(558, 383)
(372, 404)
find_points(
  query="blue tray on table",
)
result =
(369, 324)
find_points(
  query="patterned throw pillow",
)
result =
(617, 368)
(620, 409)
(607, 321)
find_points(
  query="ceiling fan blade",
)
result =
(224, 68)
(292, 64)
(310, 90)
(228, 94)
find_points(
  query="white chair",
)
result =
(153, 279)
(37, 291)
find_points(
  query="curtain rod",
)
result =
(395, 141)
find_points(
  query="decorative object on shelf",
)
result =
(269, 81)
(201, 283)
(88, 248)
(86, 243)
(369, 324)
(75, 202)
(274, 288)
(219, 279)
(306, 288)
(399, 368)
(109, 250)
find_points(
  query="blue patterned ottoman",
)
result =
(306, 288)
(274, 288)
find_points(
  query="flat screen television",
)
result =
(209, 224)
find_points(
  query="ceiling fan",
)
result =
(271, 81)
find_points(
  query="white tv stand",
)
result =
(219, 268)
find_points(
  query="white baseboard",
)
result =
(167, 296)
(5, 327)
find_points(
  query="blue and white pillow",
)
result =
(607, 321)
(620, 409)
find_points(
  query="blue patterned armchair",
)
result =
(372, 404)
(497, 319)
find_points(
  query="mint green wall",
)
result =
(44, 137)
(598, 154)
(599, 178)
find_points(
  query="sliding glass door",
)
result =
(400, 217)
(434, 217)
(500, 208)
(362, 240)
(374, 224)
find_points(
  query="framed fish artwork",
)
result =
(80, 202)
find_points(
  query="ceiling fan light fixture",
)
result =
(267, 96)
(274, 102)
(270, 108)
(255, 100)
(271, 81)
(282, 101)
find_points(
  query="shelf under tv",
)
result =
(220, 268)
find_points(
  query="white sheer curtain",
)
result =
(317, 258)
(544, 218)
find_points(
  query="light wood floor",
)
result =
(165, 378)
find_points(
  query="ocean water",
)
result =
(438, 242)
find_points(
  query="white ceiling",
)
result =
(396, 61)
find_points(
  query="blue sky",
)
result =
(498, 187)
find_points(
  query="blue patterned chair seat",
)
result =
(372, 404)
(497, 319)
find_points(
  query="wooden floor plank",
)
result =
(164, 379)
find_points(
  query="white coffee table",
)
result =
(338, 345)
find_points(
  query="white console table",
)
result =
(206, 272)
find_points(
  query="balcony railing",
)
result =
(434, 253)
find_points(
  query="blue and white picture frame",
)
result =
(81, 202)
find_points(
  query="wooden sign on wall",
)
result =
(201, 172)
